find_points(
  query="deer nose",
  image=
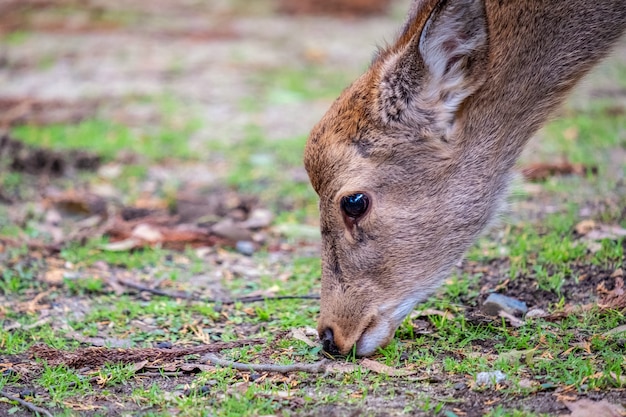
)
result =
(328, 341)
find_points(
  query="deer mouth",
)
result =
(375, 331)
(377, 334)
(382, 328)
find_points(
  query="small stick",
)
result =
(158, 374)
(30, 406)
(185, 296)
(312, 368)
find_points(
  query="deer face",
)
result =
(395, 214)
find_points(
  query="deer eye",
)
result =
(355, 205)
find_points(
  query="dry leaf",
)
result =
(432, 312)
(513, 357)
(571, 133)
(122, 245)
(621, 379)
(148, 233)
(54, 276)
(380, 368)
(586, 408)
(138, 366)
(543, 170)
(618, 273)
(616, 298)
(584, 227)
(593, 232)
(340, 367)
(299, 334)
(604, 231)
(514, 321)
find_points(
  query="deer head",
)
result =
(383, 161)
(412, 161)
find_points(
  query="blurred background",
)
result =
(179, 96)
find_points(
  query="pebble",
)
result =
(26, 393)
(490, 378)
(498, 302)
(245, 247)
(459, 386)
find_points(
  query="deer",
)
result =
(413, 161)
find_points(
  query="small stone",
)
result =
(490, 378)
(245, 247)
(459, 386)
(498, 302)
(163, 345)
(26, 393)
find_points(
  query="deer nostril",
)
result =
(328, 341)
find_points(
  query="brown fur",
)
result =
(434, 152)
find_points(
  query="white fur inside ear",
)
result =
(449, 38)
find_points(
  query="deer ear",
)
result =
(424, 84)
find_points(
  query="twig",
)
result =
(158, 374)
(185, 296)
(312, 368)
(93, 357)
(30, 406)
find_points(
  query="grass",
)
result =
(571, 353)
(108, 139)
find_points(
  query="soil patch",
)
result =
(37, 160)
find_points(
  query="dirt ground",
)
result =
(213, 59)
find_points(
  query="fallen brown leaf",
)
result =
(54, 276)
(380, 368)
(432, 312)
(586, 408)
(616, 298)
(543, 170)
(299, 334)
(606, 232)
(585, 226)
